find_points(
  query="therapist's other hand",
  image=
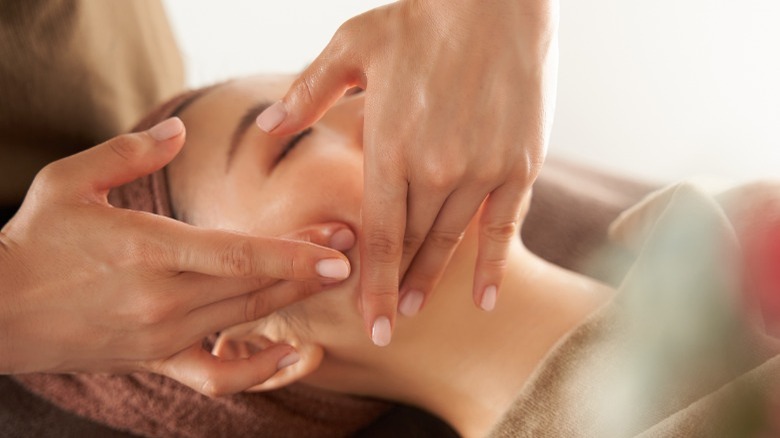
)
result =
(87, 287)
(458, 110)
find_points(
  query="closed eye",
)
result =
(292, 143)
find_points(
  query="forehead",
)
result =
(236, 95)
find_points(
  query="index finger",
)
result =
(229, 254)
(384, 222)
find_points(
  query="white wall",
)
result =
(227, 38)
(660, 89)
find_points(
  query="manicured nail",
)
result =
(488, 302)
(272, 117)
(342, 240)
(336, 269)
(288, 360)
(167, 129)
(411, 303)
(380, 332)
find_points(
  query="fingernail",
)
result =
(488, 302)
(411, 303)
(167, 129)
(342, 240)
(336, 269)
(272, 117)
(380, 332)
(288, 360)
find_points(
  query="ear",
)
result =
(247, 339)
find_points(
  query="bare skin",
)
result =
(453, 359)
(459, 102)
(91, 288)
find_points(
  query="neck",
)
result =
(469, 365)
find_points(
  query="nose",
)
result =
(346, 118)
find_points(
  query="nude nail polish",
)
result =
(342, 240)
(411, 303)
(288, 360)
(336, 269)
(272, 117)
(488, 302)
(380, 332)
(166, 129)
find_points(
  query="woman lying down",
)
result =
(673, 351)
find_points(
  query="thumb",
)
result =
(332, 235)
(319, 86)
(123, 159)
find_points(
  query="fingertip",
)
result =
(333, 269)
(411, 303)
(167, 129)
(342, 240)
(272, 117)
(381, 331)
(288, 359)
(488, 300)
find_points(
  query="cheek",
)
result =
(321, 187)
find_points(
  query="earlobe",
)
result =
(236, 343)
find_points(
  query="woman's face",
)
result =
(231, 175)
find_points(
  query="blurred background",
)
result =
(659, 90)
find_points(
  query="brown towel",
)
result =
(155, 406)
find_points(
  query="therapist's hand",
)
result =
(87, 287)
(459, 102)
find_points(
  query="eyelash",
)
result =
(292, 143)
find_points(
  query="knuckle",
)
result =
(304, 90)
(384, 294)
(442, 176)
(140, 252)
(445, 239)
(347, 31)
(154, 313)
(51, 176)
(382, 246)
(256, 306)
(501, 231)
(238, 259)
(211, 387)
(412, 242)
(487, 175)
(422, 278)
(493, 264)
(127, 147)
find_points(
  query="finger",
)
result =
(437, 249)
(333, 235)
(422, 210)
(214, 377)
(248, 307)
(206, 289)
(228, 254)
(499, 227)
(324, 81)
(122, 159)
(381, 247)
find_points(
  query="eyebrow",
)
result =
(247, 120)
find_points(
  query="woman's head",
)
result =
(231, 175)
